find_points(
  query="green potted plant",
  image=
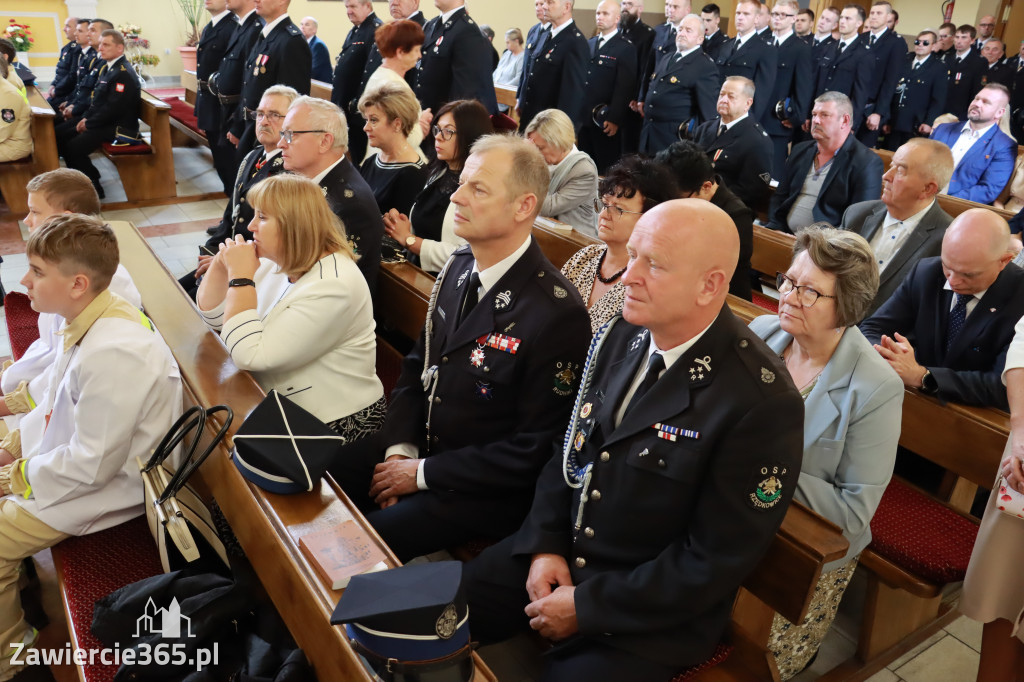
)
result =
(194, 11)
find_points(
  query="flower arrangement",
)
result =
(20, 36)
(135, 48)
(130, 31)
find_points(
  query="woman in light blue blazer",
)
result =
(852, 410)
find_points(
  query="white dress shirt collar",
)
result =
(270, 27)
(490, 276)
(216, 20)
(734, 122)
(448, 15)
(322, 174)
(555, 30)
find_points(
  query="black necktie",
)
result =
(654, 367)
(597, 46)
(916, 64)
(735, 46)
(721, 131)
(957, 317)
(470, 297)
(871, 41)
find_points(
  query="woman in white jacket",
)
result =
(293, 309)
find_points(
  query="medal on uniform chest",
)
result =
(476, 358)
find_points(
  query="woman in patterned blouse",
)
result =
(630, 188)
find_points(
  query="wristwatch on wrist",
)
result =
(928, 383)
(241, 282)
(410, 240)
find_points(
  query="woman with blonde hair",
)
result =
(294, 310)
(394, 170)
(573, 189)
(399, 43)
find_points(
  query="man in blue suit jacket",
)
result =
(321, 55)
(948, 326)
(983, 154)
(824, 176)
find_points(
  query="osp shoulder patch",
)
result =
(766, 486)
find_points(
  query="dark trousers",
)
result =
(897, 138)
(495, 585)
(630, 131)
(357, 141)
(605, 151)
(76, 146)
(780, 152)
(246, 143)
(869, 138)
(429, 520)
(225, 160)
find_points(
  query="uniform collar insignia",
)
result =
(700, 369)
(639, 340)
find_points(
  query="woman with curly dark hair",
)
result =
(631, 187)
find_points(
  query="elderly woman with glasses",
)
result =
(852, 410)
(632, 186)
(573, 186)
(428, 231)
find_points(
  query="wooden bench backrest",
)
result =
(785, 580)
(322, 90)
(44, 138)
(268, 526)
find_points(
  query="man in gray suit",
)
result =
(907, 224)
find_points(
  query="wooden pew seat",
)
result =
(185, 130)
(147, 170)
(14, 175)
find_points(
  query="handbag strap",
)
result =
(191, 462)
(191, 419)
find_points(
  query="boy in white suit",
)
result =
(114, 390)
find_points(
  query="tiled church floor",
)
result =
(175, 231)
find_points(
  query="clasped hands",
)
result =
(1012, 466)
(236, 256)
(900, 355)
(552, 607)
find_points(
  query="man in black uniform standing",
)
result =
(996, 71)
(213, 45)
(889, 51)
(748, 55)
(846, 66)
(492, 377)
(1016, 66)
(226, 84)
(681, 458)
(456, 61)
(683, 88)
(641, 35)
(399, 9)
(966, 70)
(664, 42)
(349, 69)
(920, 94)
(789, 102)
(739, 149)
(711, 15)
(280, 56)
(114, 109)
(555, 79)
(611, 82)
